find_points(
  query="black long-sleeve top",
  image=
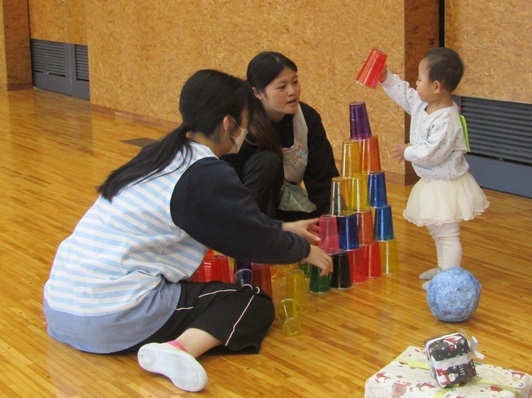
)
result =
(210, 204)
(321, 167)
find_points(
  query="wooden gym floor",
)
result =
(53, 152)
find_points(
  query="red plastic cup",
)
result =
(373, 66)
(220, 268)
(199, 275)
(359, 269)
(261, 277)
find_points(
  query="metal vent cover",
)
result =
(498, 129)
(48, 57)
(60, 67)
(500, 136)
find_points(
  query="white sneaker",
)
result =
(425, 285)
(179, 366)
(431, 273)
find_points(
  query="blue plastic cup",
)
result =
(383, 225)
(348, 232)
(377, 190)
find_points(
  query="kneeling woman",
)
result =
(119, 282)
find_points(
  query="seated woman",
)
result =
(119, 281)
(307, 158)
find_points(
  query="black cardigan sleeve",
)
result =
(321, 167)
(211, 205)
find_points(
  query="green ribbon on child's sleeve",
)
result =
(464, 128)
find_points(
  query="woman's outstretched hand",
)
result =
(308, 229)
(320, 259)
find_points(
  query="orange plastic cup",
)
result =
(365, 227)
(371, 160)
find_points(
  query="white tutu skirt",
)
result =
(445, 201)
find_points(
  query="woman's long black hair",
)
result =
(261, 71)
(206, 98)
(265, 67)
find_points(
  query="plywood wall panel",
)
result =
(16, 57)
(58, 20)
(142, 52)
(48, 20)
(76, 22)
(493, 38)
(3, 60)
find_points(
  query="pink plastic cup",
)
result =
(373, 66)
(328, 231)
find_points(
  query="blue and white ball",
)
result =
(453, 295)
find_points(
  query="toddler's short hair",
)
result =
(445, 66)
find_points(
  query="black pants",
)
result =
(263, 175)
(237, 316)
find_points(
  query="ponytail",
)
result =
(206, 98)
(151, 159)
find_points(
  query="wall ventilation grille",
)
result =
(49, 58)
(499, 130)
(82, 63)
(60, 67)
(500, 135)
